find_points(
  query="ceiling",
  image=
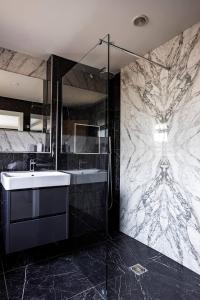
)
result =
(69, 28)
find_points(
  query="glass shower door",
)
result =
(84, 154)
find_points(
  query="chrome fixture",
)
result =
(103, 73)
(133, 54)
(138, 269)
(32, 165)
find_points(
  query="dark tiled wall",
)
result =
(20, 161)
(87, 209)
(95, 113)
(71, 161)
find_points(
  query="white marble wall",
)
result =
(160, 150)
(22, 141)
(21, 63)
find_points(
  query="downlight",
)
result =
(140, 21)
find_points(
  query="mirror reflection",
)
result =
(84, 93)
(24, 114)
(86, 138)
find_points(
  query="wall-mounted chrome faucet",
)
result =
(32, 164)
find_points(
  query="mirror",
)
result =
(86, 138)
(84, 94)
(25, 122)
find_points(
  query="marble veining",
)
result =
(22, 63)
(160, 150)
(98, 271)
(21, 141)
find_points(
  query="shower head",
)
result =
(103, 70)
(103, 73)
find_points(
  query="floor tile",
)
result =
(22, 258)
(3, 293)
(165, 278)
(149, 287)
(91, 294)
(45, 279)
(126, 251)
(92, 261)
(81, 274)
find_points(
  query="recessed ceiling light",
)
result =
(140, 21)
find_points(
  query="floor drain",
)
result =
(138, 269)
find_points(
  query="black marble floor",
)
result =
(81, 272)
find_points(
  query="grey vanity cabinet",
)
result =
(52, 201)
(30, 204)
(21, 205)
(33, 217)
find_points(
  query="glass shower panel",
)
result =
(84, 153)
(84, 99)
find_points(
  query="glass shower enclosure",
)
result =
(83, 152)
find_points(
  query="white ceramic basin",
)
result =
(26, 180)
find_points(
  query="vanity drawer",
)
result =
(21, 204)
(37, 232)
(52, 201)
(34, 203)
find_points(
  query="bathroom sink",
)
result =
(27, 180)
(84, 176)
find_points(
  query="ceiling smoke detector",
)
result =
(140, 21)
